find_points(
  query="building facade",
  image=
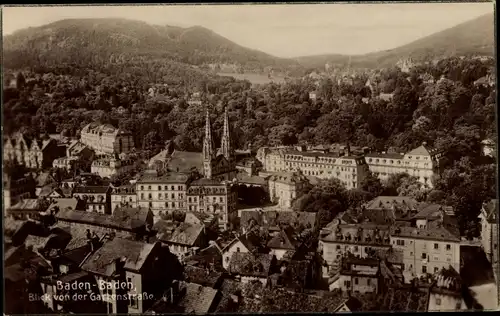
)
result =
(98, 198)
(489, 230)
(111, 166)
(31, 153)
(106, 139)
(124, 195)
(284, 188)
(421, 162)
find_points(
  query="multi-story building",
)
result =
(286, 187)
(431, 244)
(98, 198)
(164, 193)
(106, 139)
(489, 229)
(349, 169)
(359, 239)
(32, 153)
(421, 162)
(111, 166)
(209, 196)
(128, 269)
(124, 195)
(17, 190)
(358, 275)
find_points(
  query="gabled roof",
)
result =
(133, 253)
(90, 189)
(44, 179)
(248, 264)
(185, 161)
(282, 240)
(184, 234)
(201, 276)
(432, 211)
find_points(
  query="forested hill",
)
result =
(104, 41)
(469, 38)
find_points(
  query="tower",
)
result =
(208, 149)
(226, 147)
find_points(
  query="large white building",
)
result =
(349, 169)
(421, 162)
(106, 139)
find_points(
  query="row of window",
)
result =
(161, 197)
(165, 188)
(401, 242)
(167, 204)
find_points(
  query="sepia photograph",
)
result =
(249, 158)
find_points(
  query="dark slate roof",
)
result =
(66, 203)
(122, 220)
(212, 255)
(191, 299)
(207, 182)
(185, 161)
(248, 264)
(385, 155)
(256, 180)
(272, 219)
(290, 178)
(134, 254)
(184, 234)
(365, 231)
(388, 202)
(131, 217)
(201, 276)
(446, 231)
(167, 178)
(91, 189)
(283, 240)
(432, 211)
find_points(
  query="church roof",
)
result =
(185, 161)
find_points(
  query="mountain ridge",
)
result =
(439, 44)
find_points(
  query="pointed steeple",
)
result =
(208, 144)
(226, 148)
(208, 149)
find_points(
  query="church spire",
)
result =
(226, 148)
(208, 148)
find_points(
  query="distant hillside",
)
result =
(472, 37)
(122, 40)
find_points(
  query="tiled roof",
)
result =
(134, 254)
(243, 178)
(282, 240)
(207, 182)
(66, 203)
(212, 255)
(387, 202)
(184, 234)
(131, 217)
(167, 178)
(27, 204)
(43, 179)
(432, 211)
(434, 231)
(91, 189)
(119, 221)
(367, 232)
(201, 276)
(288, 178)
(193, 299)
(384, 155)
(423, 150)
(274, 218)
(248, 264)
(184, 161)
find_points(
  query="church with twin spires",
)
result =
(218, 164)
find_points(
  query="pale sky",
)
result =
(282, 30)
